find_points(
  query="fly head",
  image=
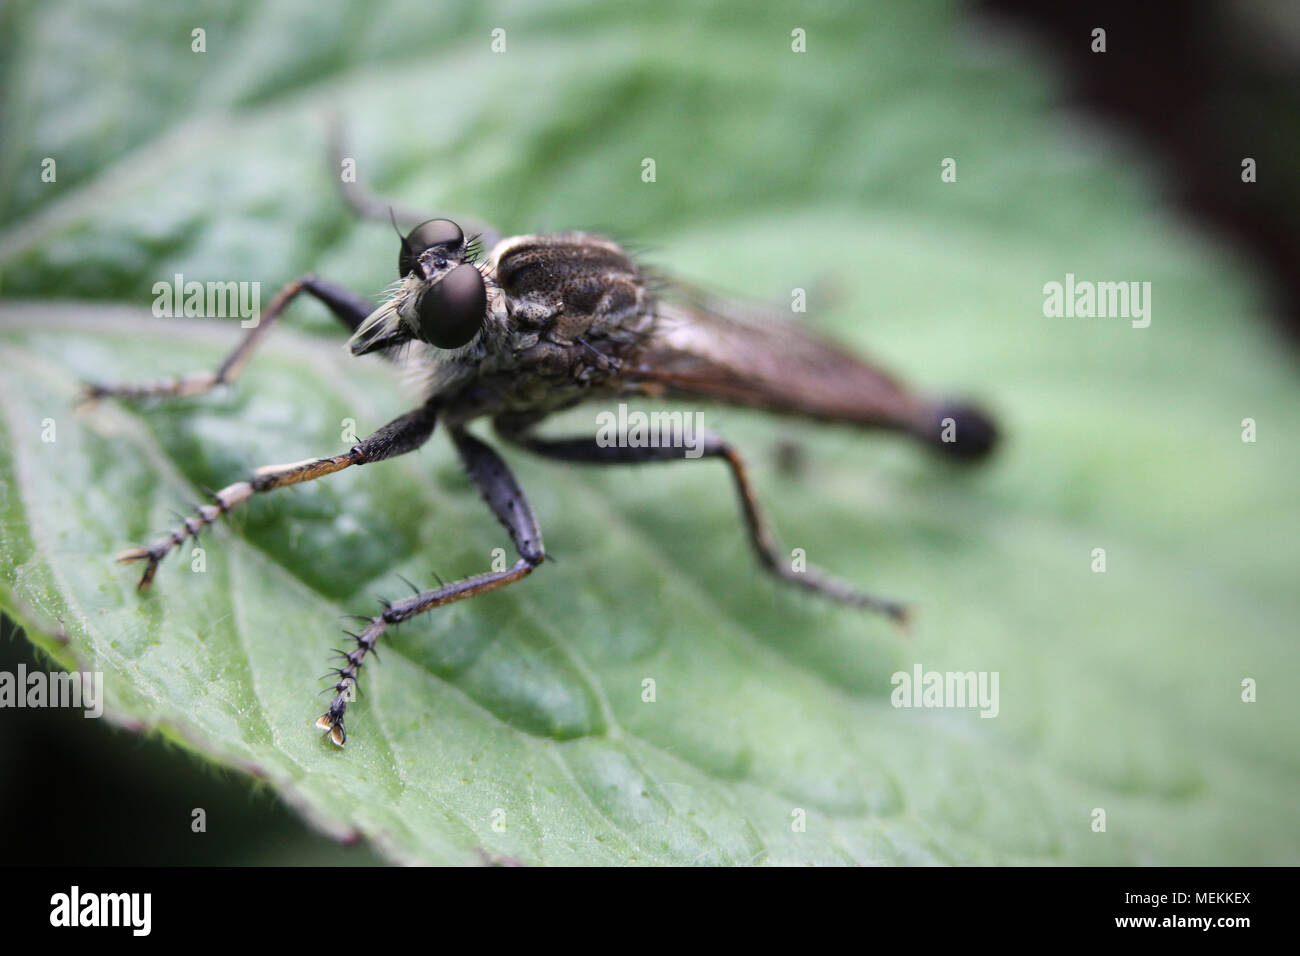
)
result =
(442, 298)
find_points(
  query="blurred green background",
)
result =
(775, 170)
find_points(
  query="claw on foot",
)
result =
(141, 554)
(335, 728)
(88, 396)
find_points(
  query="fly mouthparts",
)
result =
(382, 329)
(378, 343)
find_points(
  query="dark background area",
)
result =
(84, 792)
(1200, 86)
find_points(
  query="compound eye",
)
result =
(435, 232)
(451, 312)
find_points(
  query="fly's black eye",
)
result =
(435, 232)
(451, 311)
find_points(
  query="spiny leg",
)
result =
(348, 307)
(403, 434)
(502, 493)
(770, 555)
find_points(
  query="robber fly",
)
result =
(516, 329)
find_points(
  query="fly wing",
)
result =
(705, 347)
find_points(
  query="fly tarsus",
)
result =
(394, 613)
(345, 687)
(348, 307)
(402, 435)
(223, 501)
(841, 592)
(196, 383)
(264, 479)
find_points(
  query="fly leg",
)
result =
(502, 493)
(403, 434)
(350, 309)
(770, 555)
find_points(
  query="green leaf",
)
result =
(775, 171)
